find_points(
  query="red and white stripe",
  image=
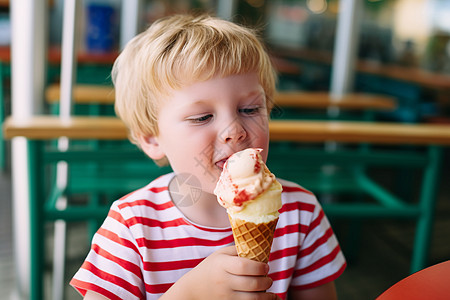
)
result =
(146, 244)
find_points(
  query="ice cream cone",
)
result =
(252, 196)
(253, 241)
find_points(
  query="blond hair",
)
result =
(177, 51)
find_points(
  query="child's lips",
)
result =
(221, 162)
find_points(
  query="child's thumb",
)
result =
(229, 250)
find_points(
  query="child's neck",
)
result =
(206, 211)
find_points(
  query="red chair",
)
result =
(430, 283)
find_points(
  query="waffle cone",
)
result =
(253, 241)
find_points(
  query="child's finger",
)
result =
(260, 296)
(229, 250)
(250, 283)
(242, 266)
(274, 296)
(246, 267)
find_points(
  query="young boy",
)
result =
(193, 91)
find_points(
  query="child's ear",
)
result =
(151, 147)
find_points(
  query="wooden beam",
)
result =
(356, 101)
(359, 132)
(107, 128)
(52, 127)
(85, 94)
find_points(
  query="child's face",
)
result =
(201, 125)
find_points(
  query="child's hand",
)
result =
(224, 275)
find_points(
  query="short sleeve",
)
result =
(112, 268)
(320, 259)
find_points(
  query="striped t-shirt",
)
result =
(146, 244)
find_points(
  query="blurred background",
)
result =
(401, 51)
(402, 46)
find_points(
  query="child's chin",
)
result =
(210, 185)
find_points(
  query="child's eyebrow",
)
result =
(199, 102)
(194, 104)
(254, 95)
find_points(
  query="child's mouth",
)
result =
(221, 162)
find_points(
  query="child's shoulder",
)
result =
(299, 205)
(298, 197)
(292, 188)
(154, 194)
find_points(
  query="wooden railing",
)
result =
(51, 127)
(85, 94)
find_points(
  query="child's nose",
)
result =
(233, 132)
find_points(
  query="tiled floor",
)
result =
(383, 254)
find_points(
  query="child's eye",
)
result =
(250, 111)
(200, 119)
